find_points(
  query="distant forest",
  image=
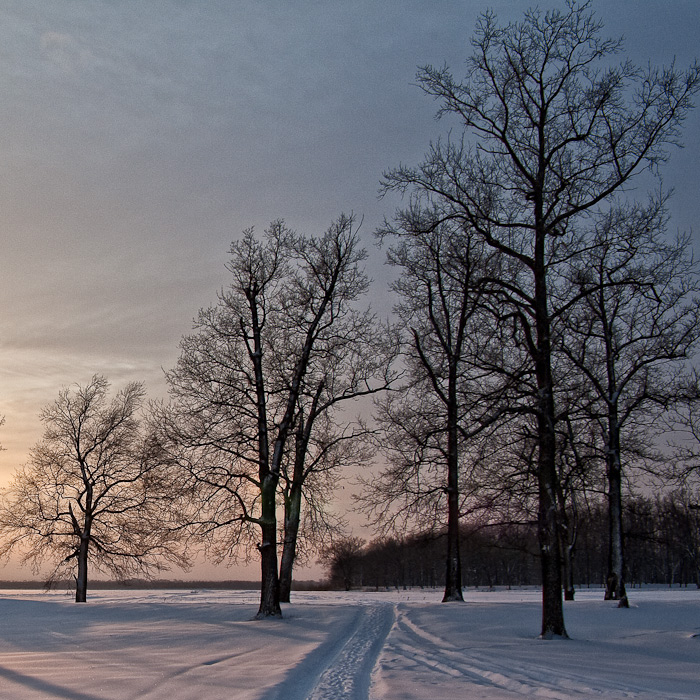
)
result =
(662, 539)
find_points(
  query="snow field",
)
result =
(205, 645)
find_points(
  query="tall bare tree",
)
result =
(555, 130)
(95, 490)
(631, 336)
(449, 399)
(282, 347)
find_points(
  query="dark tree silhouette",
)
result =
(283, 347)
(96, 490)
(431, 422)
(551, 131)
(631, 335)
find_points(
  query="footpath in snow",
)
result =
(205, 645)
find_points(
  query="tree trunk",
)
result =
(549, 541)
(292, 518)
(547, 476)
(615, 583)
(81, 579)
(569, 590)
(453, 569)
(293, 500)
(567, 536)
(269, 580)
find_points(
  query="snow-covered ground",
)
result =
(205, 645)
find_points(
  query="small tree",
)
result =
(94, 490)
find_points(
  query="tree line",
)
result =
(662, 535)
(540, 351)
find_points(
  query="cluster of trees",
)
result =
(544, 326)
(662, 536)
(244, 456)
(257, 423)
(548, 319)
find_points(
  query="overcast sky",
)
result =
(137, 140)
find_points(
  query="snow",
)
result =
(205, 645)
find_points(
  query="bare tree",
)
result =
(556, 131)
(351, 361)
(282, 347)
(431, 423)
(631, 336)
(342, 559)
(95, 490)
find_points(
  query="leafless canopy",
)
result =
(552, 129)
(255, 389)
(95, 487)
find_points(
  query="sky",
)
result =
(138, 139)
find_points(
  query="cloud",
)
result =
(66, 53)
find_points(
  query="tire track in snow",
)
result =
(346, 660)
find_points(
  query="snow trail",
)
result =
(341, 667)
(495, 669)
(350, 675)
(482, 669)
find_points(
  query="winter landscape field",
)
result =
(205, 645)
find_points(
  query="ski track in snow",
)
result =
(479, 668)
(356, 646)
(348, 659)
(350, 675)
